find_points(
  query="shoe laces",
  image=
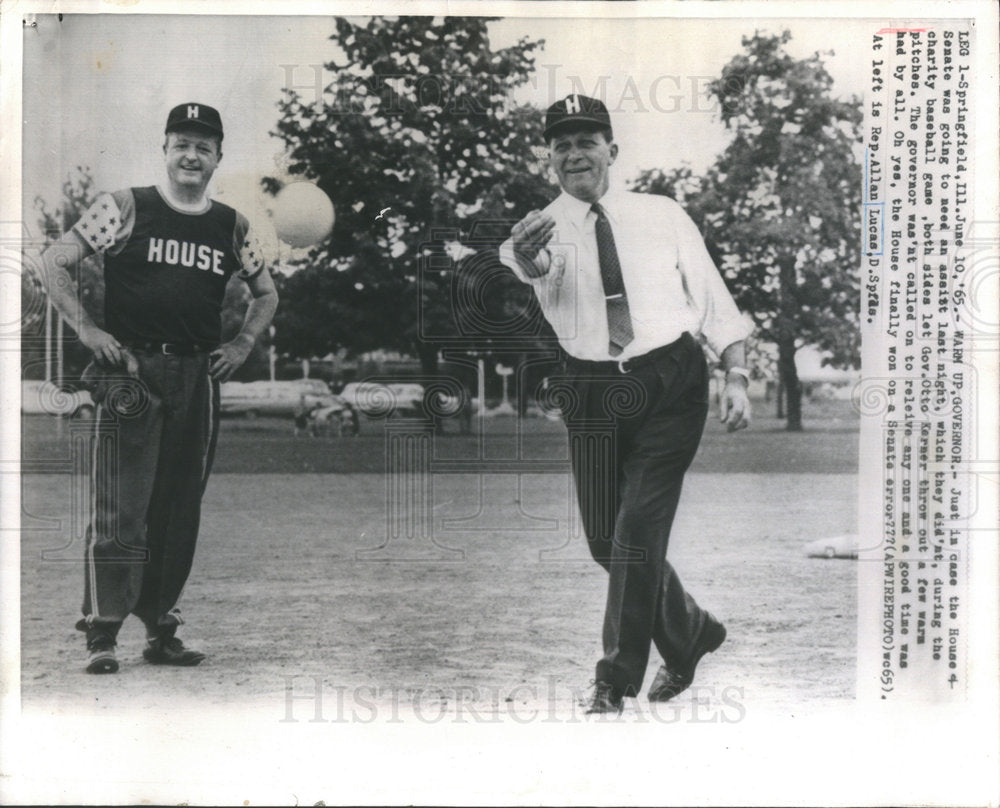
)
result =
(102, 644)
(593, 686)
(603, 691)
(165, 643)
(675, 677)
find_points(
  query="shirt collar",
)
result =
(183, 207)
(577, 209)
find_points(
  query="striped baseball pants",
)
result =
(152, 453)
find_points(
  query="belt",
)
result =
(626, 365)
(170, 348)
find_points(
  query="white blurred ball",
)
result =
(543, 260)
(302, 214)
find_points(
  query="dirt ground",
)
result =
(499, 615)
(319, 590)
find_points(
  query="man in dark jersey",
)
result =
(169, 252)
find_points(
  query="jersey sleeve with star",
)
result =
(108, 222)
(248, 249)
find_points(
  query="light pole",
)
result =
(271, 356)
(48, 338)
(505, 407)
(481, 389)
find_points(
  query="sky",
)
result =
(97, 88)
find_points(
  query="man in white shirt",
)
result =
(625, 281)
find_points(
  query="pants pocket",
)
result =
(684, 374)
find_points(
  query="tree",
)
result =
(780, 207)
(427, 160)
(78, 193)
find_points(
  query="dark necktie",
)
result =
(619, 321)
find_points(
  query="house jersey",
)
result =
(166, 270)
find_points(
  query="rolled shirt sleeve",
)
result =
(720, 321)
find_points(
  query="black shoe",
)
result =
(101, 658)
(170, 651)
(670, 683)
(605, 700)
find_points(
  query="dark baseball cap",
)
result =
(575, 109)
(192, 114)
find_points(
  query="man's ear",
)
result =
(613, 152)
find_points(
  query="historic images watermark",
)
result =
(309, 698)
(314, 85)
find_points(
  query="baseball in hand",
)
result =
(530, 237)
(543, 261)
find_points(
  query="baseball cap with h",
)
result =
(575, 110)
(197, 115)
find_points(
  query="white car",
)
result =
(371, 398)
(409, 397)
(273, 398)
(47, 398)
(378, 400)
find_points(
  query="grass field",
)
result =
(489, 604)
(266, 446)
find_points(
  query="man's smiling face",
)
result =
(581, 158)
(192, 157)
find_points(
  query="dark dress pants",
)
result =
(632, 436)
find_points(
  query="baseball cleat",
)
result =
(605, 700)
(101, 658)
(670, 683)
(170, 651)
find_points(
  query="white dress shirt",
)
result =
(671, 282)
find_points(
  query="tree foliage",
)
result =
(78, 193)
(426, 159)
(780, 206)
